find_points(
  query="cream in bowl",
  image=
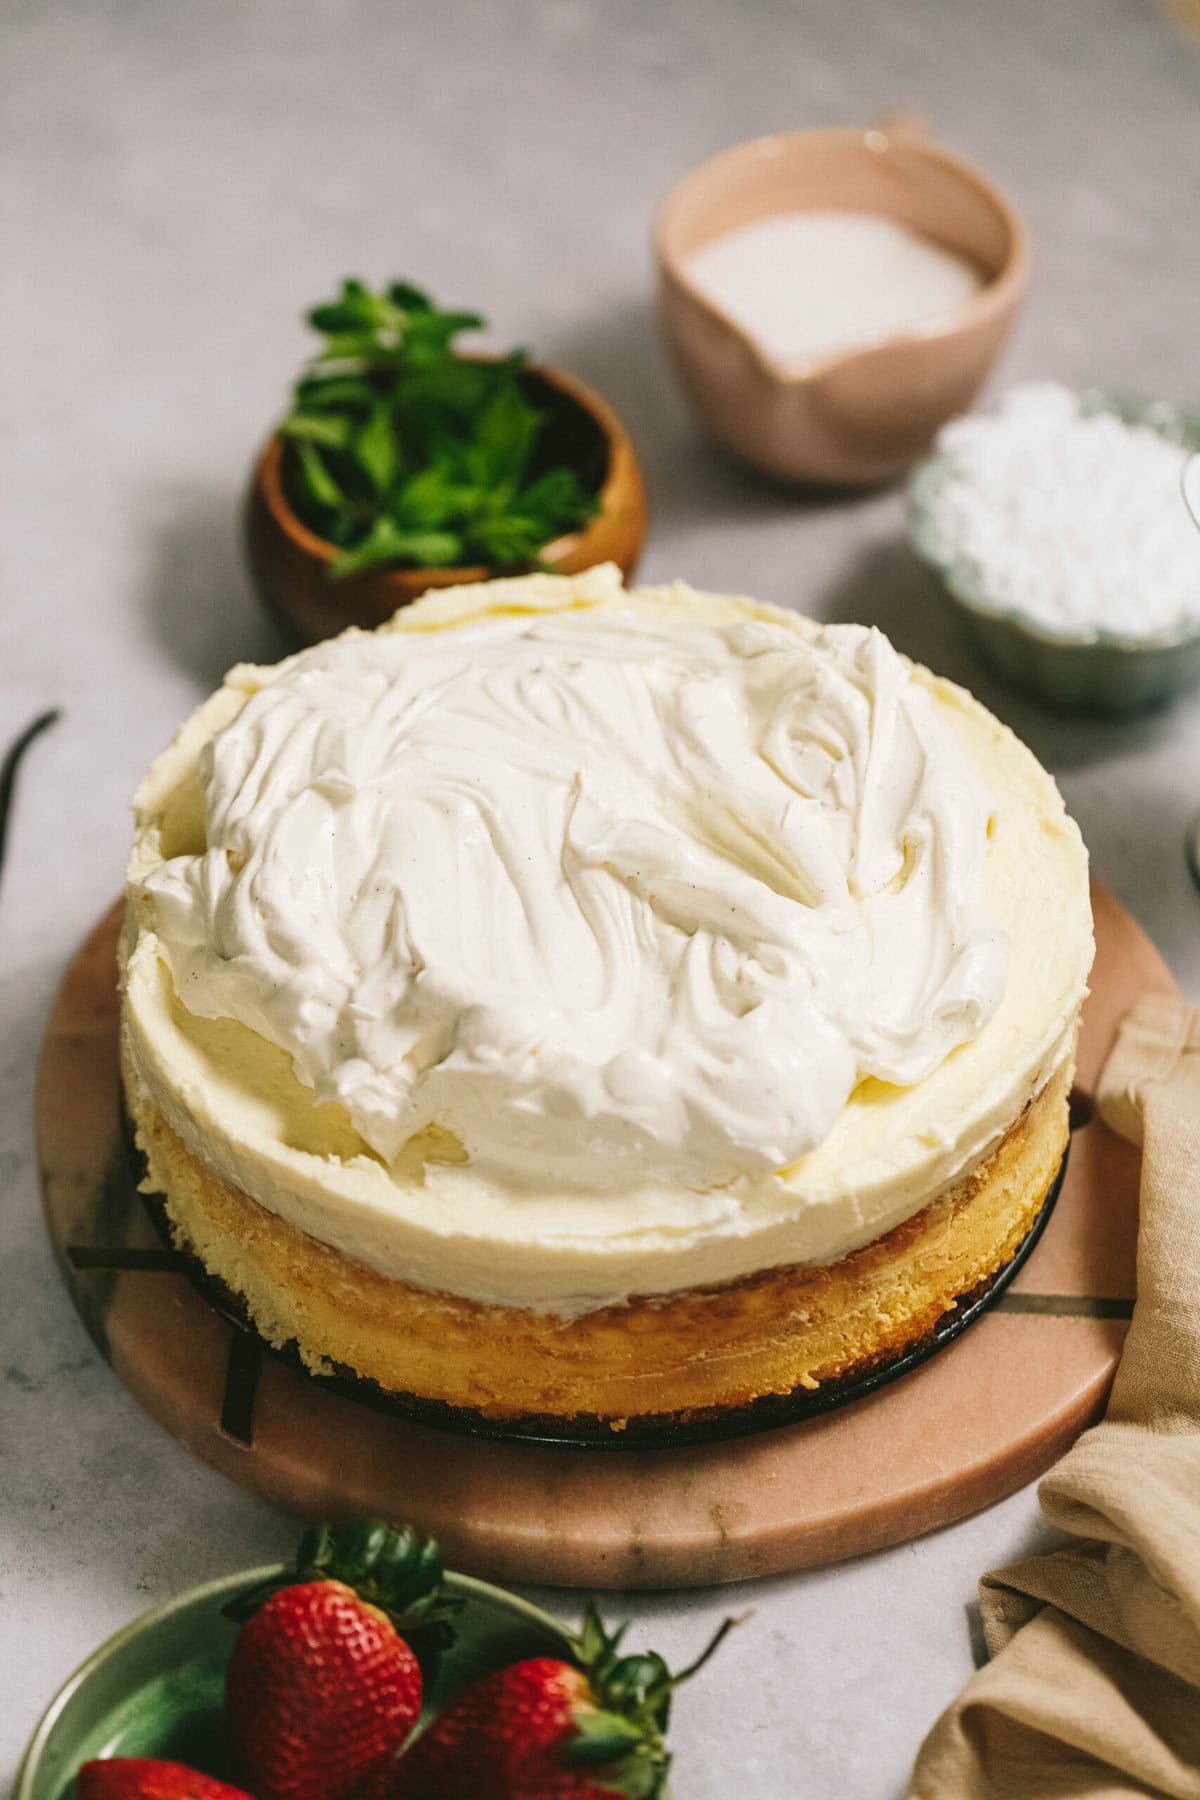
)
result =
(808, 283)
(832, 297)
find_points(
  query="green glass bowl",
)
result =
(1096, 672)
(156, 1688)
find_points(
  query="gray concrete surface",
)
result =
(176, 182)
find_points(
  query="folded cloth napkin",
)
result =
(1093, 1689)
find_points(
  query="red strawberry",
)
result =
(139, 1778)
(321, 1687)
(549, 1730)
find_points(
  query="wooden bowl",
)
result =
(858, 415)
(291, 564)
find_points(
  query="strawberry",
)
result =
(321, 1686)
(547, 1729)
(140, 1778)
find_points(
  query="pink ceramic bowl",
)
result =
(857, 415)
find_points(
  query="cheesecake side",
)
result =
(721, 1347)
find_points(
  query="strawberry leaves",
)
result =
(401, 452)
(391, 1567)
(626, 1734)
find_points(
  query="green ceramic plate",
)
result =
(155, 1689)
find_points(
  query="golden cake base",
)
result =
(779, 1346)
(976, 1421)
(655, 1430)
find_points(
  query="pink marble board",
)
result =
(987, 1413)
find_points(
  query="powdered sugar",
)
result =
(1068, 516)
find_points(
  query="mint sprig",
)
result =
(402, 452)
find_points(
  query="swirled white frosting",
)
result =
(593, 893)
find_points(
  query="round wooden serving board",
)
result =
(983, 1416)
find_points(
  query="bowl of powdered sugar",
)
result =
(1059, 523)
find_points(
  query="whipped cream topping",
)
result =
(592, 893)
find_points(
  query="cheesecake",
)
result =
(599, 1008)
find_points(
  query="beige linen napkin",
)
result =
(1093, 1690)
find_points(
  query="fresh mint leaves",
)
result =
(400, 451)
